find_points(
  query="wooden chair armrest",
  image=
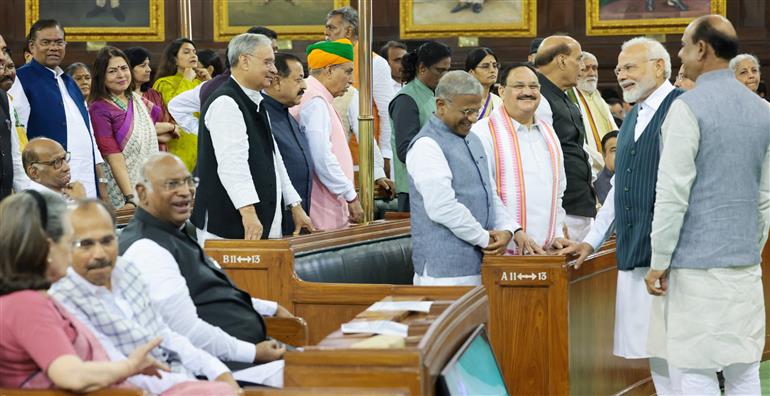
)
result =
(58, 392)
(292, 331)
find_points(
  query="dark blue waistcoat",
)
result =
(636, 173)
(46, 116)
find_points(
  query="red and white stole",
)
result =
(510, 173)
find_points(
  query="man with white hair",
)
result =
(457, 216)
(243, 181)
(643, 70)
(597, 117)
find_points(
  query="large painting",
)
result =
(480, 18)
(626, 17)
(291, 19)
(102, 20)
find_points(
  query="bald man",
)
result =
(710, 222)
(558, 63)
(47, 164)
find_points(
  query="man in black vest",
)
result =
(286, 91)
(194, 295)
(558, 61)
(244, 183)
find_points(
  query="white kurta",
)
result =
(710, 318)
(538, 178)
(632, 302)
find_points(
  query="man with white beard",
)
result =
(643, 70)
(597, 117)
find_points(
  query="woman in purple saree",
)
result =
(123, 123)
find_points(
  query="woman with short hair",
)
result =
(82, 76)
(41, 345)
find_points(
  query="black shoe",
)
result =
(459, 7)
(477, 8)
(678, 4)
(95, 11)
(649, 5)
(118, 14)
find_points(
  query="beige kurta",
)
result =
(710, 318)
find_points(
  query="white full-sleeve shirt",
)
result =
(231, 148)
(606, 214)
(171, 297)
(382, 93)
(85, 154)
(314, 120)
(21, 181)
(184, 106)
(377, 159)
(432, 177)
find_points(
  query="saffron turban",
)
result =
(326, 53)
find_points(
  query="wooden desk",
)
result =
(433, 340)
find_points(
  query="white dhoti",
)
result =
(632, 315)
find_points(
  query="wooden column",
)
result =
(365, 118)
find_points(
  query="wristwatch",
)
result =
(294, 204)
(129, 199)
(103, 180)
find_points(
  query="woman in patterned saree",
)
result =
(123, 122)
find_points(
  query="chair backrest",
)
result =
(377, 261)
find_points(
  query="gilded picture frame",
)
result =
(291, 19)
(137, 20)
(426, 19)
(621, 17)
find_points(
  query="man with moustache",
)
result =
(189, 289)
(457, 216)
(286, 91)
(558, 64)
(342, 23)
(244, 183)
(526, 162)
(47, 164)
(597, 118)
(12, 174)
(50, 104)
(644, 67)
(106, 293)
(7, 78)
(711, 222)
(394, 51)
(335, 202)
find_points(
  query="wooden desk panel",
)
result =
(416, 366)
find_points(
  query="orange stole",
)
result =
(352, 142)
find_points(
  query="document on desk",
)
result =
(384, 327)
(259, 374)
(414, 306)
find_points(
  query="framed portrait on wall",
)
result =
(102, 20)
(627, 17)
(425, 19)
(291, 19)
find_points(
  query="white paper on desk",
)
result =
(384, 327)
(415, 306)
(259, 374)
